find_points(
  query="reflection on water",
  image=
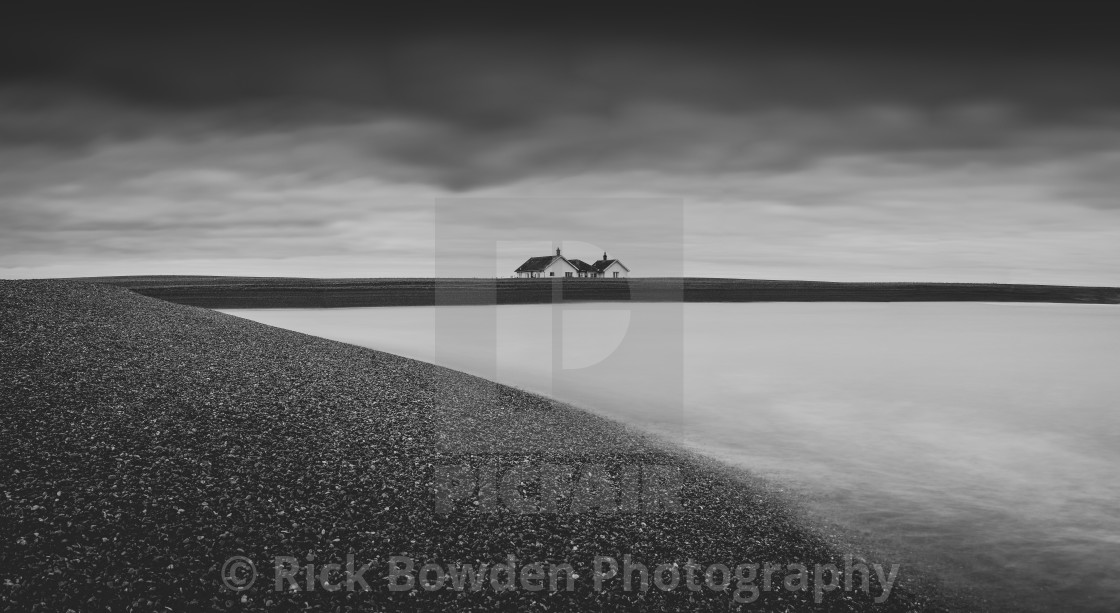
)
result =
(981, 438)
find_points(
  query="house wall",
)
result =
(613, 268)
(559, 267)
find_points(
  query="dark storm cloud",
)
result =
(499, 57)
(485, 77)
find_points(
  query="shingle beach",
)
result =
(144, 443)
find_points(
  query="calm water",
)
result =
(980, 439)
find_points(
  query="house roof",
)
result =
(536, 264)
(540, 263)
(581, 266)
(602, 265)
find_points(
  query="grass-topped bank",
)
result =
(290, 292)
(145, 443)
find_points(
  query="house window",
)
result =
(552, 274)
(567, 274)
(616, 274)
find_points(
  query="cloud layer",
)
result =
(835, 145)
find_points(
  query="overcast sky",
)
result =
(839, 144)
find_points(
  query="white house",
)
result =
(611, 268)
(559, 266)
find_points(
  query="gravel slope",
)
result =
(143, 443)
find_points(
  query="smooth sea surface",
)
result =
(978, 440)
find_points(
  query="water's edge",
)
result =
(959, 457)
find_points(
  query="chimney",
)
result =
(604, 256)
(557, 251)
